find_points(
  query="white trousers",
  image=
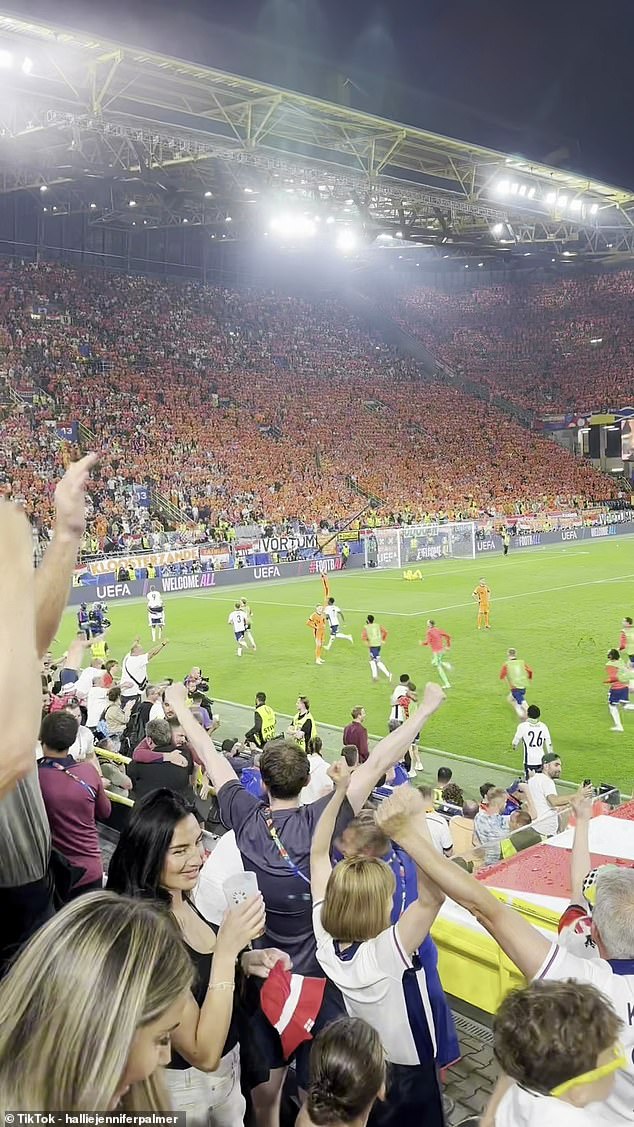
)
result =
(210, 1099)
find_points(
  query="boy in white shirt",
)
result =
(557, 1044)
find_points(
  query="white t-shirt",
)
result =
(154, 600)
(134, 674)
(83, 745)
(371, 981)
(96, 703)
(397, 693)
(319, 782)
(619, 990)
(84, 682)
(536, 740)
(519, 1108)
(547, 819)
(332, 614)
(440, 832)
(157, 712)
(225, 861)
(238, 621)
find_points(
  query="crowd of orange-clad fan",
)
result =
(562, 345)
(253, 405)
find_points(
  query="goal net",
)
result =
(414, 544)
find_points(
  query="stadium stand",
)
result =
(562, 345)
(235, 406)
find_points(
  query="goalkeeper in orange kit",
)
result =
(482, 594)
(317, 623)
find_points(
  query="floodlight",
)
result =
(576, 205)
(551, 198)
(531, 193)
(594, 209)
(522, 190)
(330, 219)
(480, 263)
(6, 60)
(43, 188)
(132, 203)
(27, 65)
(346, 241)
(93, 206)
(497, 229)
(228, 219)
(502, 186)
(207, 194)
(466, 265)
(562, 201)
(514, 188)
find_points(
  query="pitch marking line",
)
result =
(429, 610)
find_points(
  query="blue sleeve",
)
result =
(236, 805)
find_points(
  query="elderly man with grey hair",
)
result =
(537, 956)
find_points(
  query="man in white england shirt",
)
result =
(134, 671)
(535, 955)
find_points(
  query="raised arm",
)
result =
(320, 866)
(416, 921)
(54, 576)
(216, 766)
(580, 862)
(392, 748)
(20, 703)
(401, 818)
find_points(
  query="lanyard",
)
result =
(401, 873)
(58, 767)
(281, 848)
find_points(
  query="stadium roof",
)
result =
(105, 124)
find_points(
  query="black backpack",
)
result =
(134, 731)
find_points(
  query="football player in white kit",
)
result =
(155, 613)
(238, 621)
(248, 614)
(335, 618)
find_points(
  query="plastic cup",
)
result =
(240, 887)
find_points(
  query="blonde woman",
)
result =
(376, 965)
(88, 1009)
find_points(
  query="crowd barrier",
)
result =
(492, 542)
(109, 590)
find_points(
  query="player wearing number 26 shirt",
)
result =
(535, 738)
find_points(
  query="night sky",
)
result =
(548, 79)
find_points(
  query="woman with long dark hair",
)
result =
(159, 857)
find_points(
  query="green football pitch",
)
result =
(560, 607)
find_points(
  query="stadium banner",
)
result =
(155, 559)
(291, 543)
(108, 591)
(141, 496)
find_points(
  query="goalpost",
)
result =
(413, 544)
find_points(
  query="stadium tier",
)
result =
(236, 405)
(561, 345)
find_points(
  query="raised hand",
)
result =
(396, 814)
(242, 924)
(175, 695)
(70, 497)
(433, 697)
(340, 773)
